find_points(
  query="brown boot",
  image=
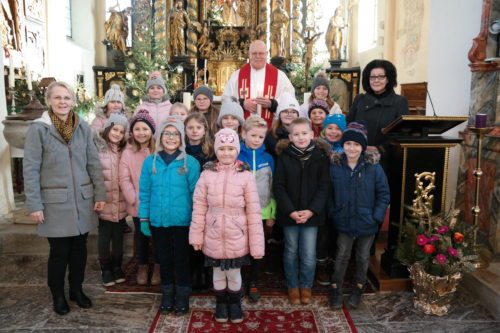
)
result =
(142, 275)
(294, 296)
(305, 295)
(155, 278)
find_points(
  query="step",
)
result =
(484, 284)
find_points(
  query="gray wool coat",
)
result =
(62, 179)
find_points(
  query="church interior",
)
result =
(444, 159)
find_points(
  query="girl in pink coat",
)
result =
(226, 223)
(110, 143)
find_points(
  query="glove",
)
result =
(145, 228)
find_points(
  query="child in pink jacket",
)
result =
(110, 143)
(227, 223)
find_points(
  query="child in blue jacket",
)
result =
(360, 199)
(166, 187)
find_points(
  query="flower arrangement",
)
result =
(439, 243)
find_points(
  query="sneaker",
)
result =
(108, 279)
(335, 299)
(322, 276)
(355, 297)
(118, 275)
(253, 293)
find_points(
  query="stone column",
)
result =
(100, 33)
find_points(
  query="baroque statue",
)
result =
(116, 28)
(279, 30)
(178, 23)
(333, 37)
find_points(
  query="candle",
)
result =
(205, 73)
(11, 72)
(28, 77)
(195, 84)
(186, 99)
(307, 95)
(481, 119)
(259, 90)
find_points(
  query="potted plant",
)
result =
(438, 250)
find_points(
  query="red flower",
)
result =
(434, 238)
(422, 240)
(429, 249)
(441, 259)
(452, 251)
(458, 237)
(442, 229)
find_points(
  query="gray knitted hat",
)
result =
(156, 78)
(204, 90)
(114, 94)
(230, 107)
(176, 122)
(116, 119)
(320, 81)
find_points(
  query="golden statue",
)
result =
(179, 21)
(204, 44)
(333, 37)
(116, 28)
(279, 30)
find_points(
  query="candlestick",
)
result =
(195, 83)
(28, 78)
(481, 119)
(186, 97)
(12, 83)
(205, 73)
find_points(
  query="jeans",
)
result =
(110, 233)
(299, 255)
(172, 246)
(142, 244)
(344, 247)
(65, 252)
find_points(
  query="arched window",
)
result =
(367, 25)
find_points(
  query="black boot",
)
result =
(182, 300)
(221, 311)
(235, 312)
(80, 298)
(61, 307)
(167, 300)
(106, 274)
(118, 274)
(336, 298)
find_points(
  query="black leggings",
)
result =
(110, 232)
(142, 244)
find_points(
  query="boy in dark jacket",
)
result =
(301, 188)
(360, 199)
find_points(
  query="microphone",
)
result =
(430, 100)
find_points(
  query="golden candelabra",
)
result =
(484, 255)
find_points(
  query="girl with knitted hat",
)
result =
(318, 110)
(156, 100)
(166, 186)
(141, 144)
(231, 116)
(114, 102)
(320, 89)
(203, 102)
(333, 127)
(227, 223)
(110, 144)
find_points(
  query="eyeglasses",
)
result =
(378, 78)
(290, 112)
(171, 134)
(226, 138)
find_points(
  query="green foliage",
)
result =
(298, 78)
(84, 103)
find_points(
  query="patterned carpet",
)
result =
(271, 314)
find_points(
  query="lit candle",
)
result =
(28, 77)
(481, 119)
(11, 72)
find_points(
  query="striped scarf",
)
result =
(302, 154)
(65, 128)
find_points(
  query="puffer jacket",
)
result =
(115, 207)
(226, 213)
(166, 195)
(360, 196)
(158, 111)
(129, 172)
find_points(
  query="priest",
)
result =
(258, 85)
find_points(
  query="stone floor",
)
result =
(25, 304)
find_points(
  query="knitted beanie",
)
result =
(287, 101)
(116, 119)
(232, 108)
(320, 81)
(204, 90)
(155, 78)
(143, 115)
(337, 119)
(176, 122)
(114, 94)
(356, 131)
(227, 137)
(318, 104)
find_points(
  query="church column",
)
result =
(7, 194)
(100, 33)
(192, 37)
(297, 44)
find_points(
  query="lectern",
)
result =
(416, 148)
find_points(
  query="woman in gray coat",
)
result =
(64, 187)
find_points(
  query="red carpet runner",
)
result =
(271, 314)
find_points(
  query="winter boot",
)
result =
(61, 306)
(355, 296)
(305, 295)
(182, 300)
(106, 274)
(156, 278)
(221, 310)
(167, 300)
(253, 292)
(235, 311)
(335, 299)
(142, 275)
(117, 269)
(80, 298)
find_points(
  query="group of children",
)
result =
(211, 181)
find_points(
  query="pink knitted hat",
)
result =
(227, 137)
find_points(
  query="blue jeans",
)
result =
(344, 247)
(299, 255)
